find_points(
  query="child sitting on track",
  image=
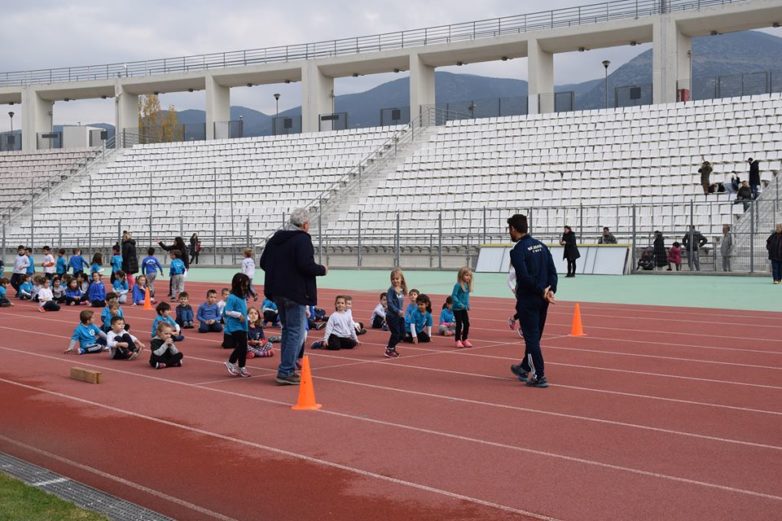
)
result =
(420, 327)
(140, 291)
(349, 310)
(122, 345)
(257, 345)
(270, 313)
(84, 283)
(25, 291)
(120, 285)
(4, 302)
(87, 335)
(340, 332)
(73, 295)
(111, 310)
(46, 298)
(163, 351)
(58, 290)
(37, 283)
(164, 317)
(96, 293)
(378, 318)
(209, 314)
(411, 306)
(184, 312)
(447, 323)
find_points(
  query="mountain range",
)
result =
(728, 56)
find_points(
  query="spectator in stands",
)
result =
(607, 237)
(195, 248)
(774, 247)
(570, 252)
(675, 256)
(693, 241)
(289, 265)
(754, 176)
(129, 256)
(20, 268)
(744, 195)
(705, 171)
(660, 255)
(726, 247)
(717, 188)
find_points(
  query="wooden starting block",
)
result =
(85, 375)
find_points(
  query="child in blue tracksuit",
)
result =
(112, 309)
(420, 328)
(150, 267)
(235, 316)
(184, 311)
(25, 291)
(461, 305)
(87, 335)
(270, 313)
(77, 263)
(61, 268)
(447, 323)
(96, 293)
(97, 264)
(395, 318)
(116, 262)
(164, 315)
(73, 294)
(413, 294)
(209, 314)
(31, 266)
(176, 273)
(120, 286)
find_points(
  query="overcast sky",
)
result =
(40, 34)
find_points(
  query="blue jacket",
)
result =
(409, 310)
(96, 291)
(289, 263)
(77, 263)
(420, 320)
(120, 286)
(446, 315)
(116, 263)
(395, 302)
(26, 287)
(184, 314)
(239, 305)
(96, 268)
(61, 266)
(138, 294)
(535, 270)
(150, 264)
(87, 335)
(2, 292)
(73, 293)
(269, 304)
(461, 297)
(105, 317)
(177, 267)
(160, 318)
(207, 311)
(31, 266)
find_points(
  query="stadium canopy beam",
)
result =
(541, 79)
(218, 105)
(670, 60)
(316, 97)
(126, 113)
(37, 117)
(422, 86)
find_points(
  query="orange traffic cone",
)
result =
(306, 401)
(577, 329)
(147, 301)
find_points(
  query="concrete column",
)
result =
(37, 118)
(126, 115)
(218, 108)
(540, 65)
(422, 88)
(670, 60)
(317, 92)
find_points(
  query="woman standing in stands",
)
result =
(179, 244)
(660, 255)
(129, 257)
(195, 248)
(570, 253)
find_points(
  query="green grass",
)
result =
(20, 502)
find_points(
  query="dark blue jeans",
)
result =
(776, 269)
(532, 318)
(293, 319)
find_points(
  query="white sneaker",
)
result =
(232, 370)
(243, 372)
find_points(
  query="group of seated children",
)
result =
(446, 325)
(341, 331)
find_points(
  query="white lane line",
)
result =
(112, 477)
(49, 482)
(281, 452)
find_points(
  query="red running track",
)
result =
(659, 413)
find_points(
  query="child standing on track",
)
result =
(395, 318)
(20, 269)
(149, 268)
(235, 314)
(48, 263)
(97, 264)
(61, 266)
(77, 262)
(248, 268)
(461, 305)
(87, 335)
(176, 274)
(447, 322)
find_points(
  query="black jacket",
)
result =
(129, 258)
(754, 173)
(697, 237)
(183, 250)
(290, 268)
(774, 247)
(660, 255)
(535, 270)
(571, 250)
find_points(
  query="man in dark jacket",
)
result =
(129, 257)
(536, 284)
(774, 247)
(693, 241)
(290, 270)
(754, 176)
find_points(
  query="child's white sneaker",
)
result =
(232, 369)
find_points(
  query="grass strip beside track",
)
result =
(20, 502)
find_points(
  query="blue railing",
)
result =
(479, 29)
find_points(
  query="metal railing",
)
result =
(465, 31)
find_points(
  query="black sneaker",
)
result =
(291, 379)
(318, 344)
(520, 373)
(391, 353)
(538, 382)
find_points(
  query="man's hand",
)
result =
(550, 298)
(401, 314)
(415, 339)
(326, 269)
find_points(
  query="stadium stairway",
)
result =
(749, 250)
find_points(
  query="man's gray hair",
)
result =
(299, 217)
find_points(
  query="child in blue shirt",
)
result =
(97, 264)
(116, 262)
(270, 313)
(184, 311)
(176, 273)
(73, 295)
(112, 309)
(96, 293)
(77, 262)
(150, 266)
(31, 266)
(140, 290)
(235, 316)
(61, 268)
(447, 323)
(209, 314)
(412, 306)
(164, 315)
(420, 328)
(87, 335)
(120, 286)
(4, 302)
(25, 291)
(461, 305)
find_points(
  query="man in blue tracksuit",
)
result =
(536, 284)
